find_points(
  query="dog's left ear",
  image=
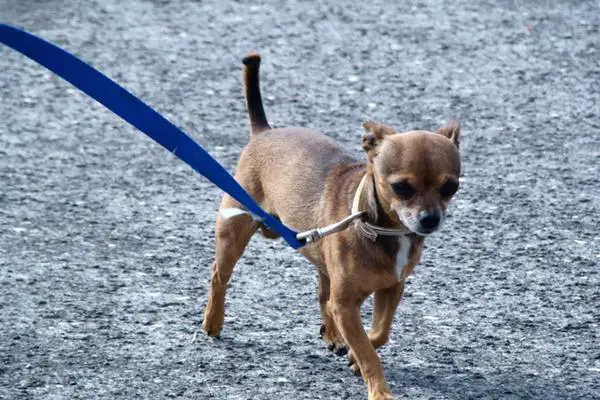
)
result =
(375, 133)
(451, 131)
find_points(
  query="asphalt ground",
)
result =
(106, 239)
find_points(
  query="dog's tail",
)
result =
(256, 112)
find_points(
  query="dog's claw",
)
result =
(212, 328)
(334, 344)
(338, 348)
(381, 396)
(212, 333)
(353, 364)
(342, 350)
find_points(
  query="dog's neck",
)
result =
(369, 201)
(379, 223)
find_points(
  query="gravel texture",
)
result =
(106, 239)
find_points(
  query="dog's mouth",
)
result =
(413, 225)
(424, 232)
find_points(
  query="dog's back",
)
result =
(288, 169)
(287, 166)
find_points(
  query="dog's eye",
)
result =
(403, 189)
(449, 188)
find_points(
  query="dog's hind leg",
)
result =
(232, 236)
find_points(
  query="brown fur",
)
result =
(308, 181)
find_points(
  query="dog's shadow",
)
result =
(413, 380)
(452, 383)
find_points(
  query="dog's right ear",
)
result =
(451, 131)
(374, 135)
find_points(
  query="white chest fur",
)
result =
(405, 244)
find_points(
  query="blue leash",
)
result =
(140, 115)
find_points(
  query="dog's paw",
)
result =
(353, 364)
(339, 348)
(333, 341)
(381, 395)
(212, 329)
(213, 320)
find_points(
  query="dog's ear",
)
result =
(374, 134)
(451, 131)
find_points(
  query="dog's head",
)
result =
(415, 173)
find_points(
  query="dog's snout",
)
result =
(429, 220)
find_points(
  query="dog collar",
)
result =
(368, 230)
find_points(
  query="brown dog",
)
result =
(306, 180)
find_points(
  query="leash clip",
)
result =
(315, 234)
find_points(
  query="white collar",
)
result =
(365, 228)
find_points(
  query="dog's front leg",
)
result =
(329, 332)
(345, 308)
(385, 304)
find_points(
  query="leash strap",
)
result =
(140, 115)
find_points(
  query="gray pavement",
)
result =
(106, 239)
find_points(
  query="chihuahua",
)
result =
(307, 180)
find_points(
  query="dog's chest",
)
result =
(402, 257)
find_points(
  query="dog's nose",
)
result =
(429, 220)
